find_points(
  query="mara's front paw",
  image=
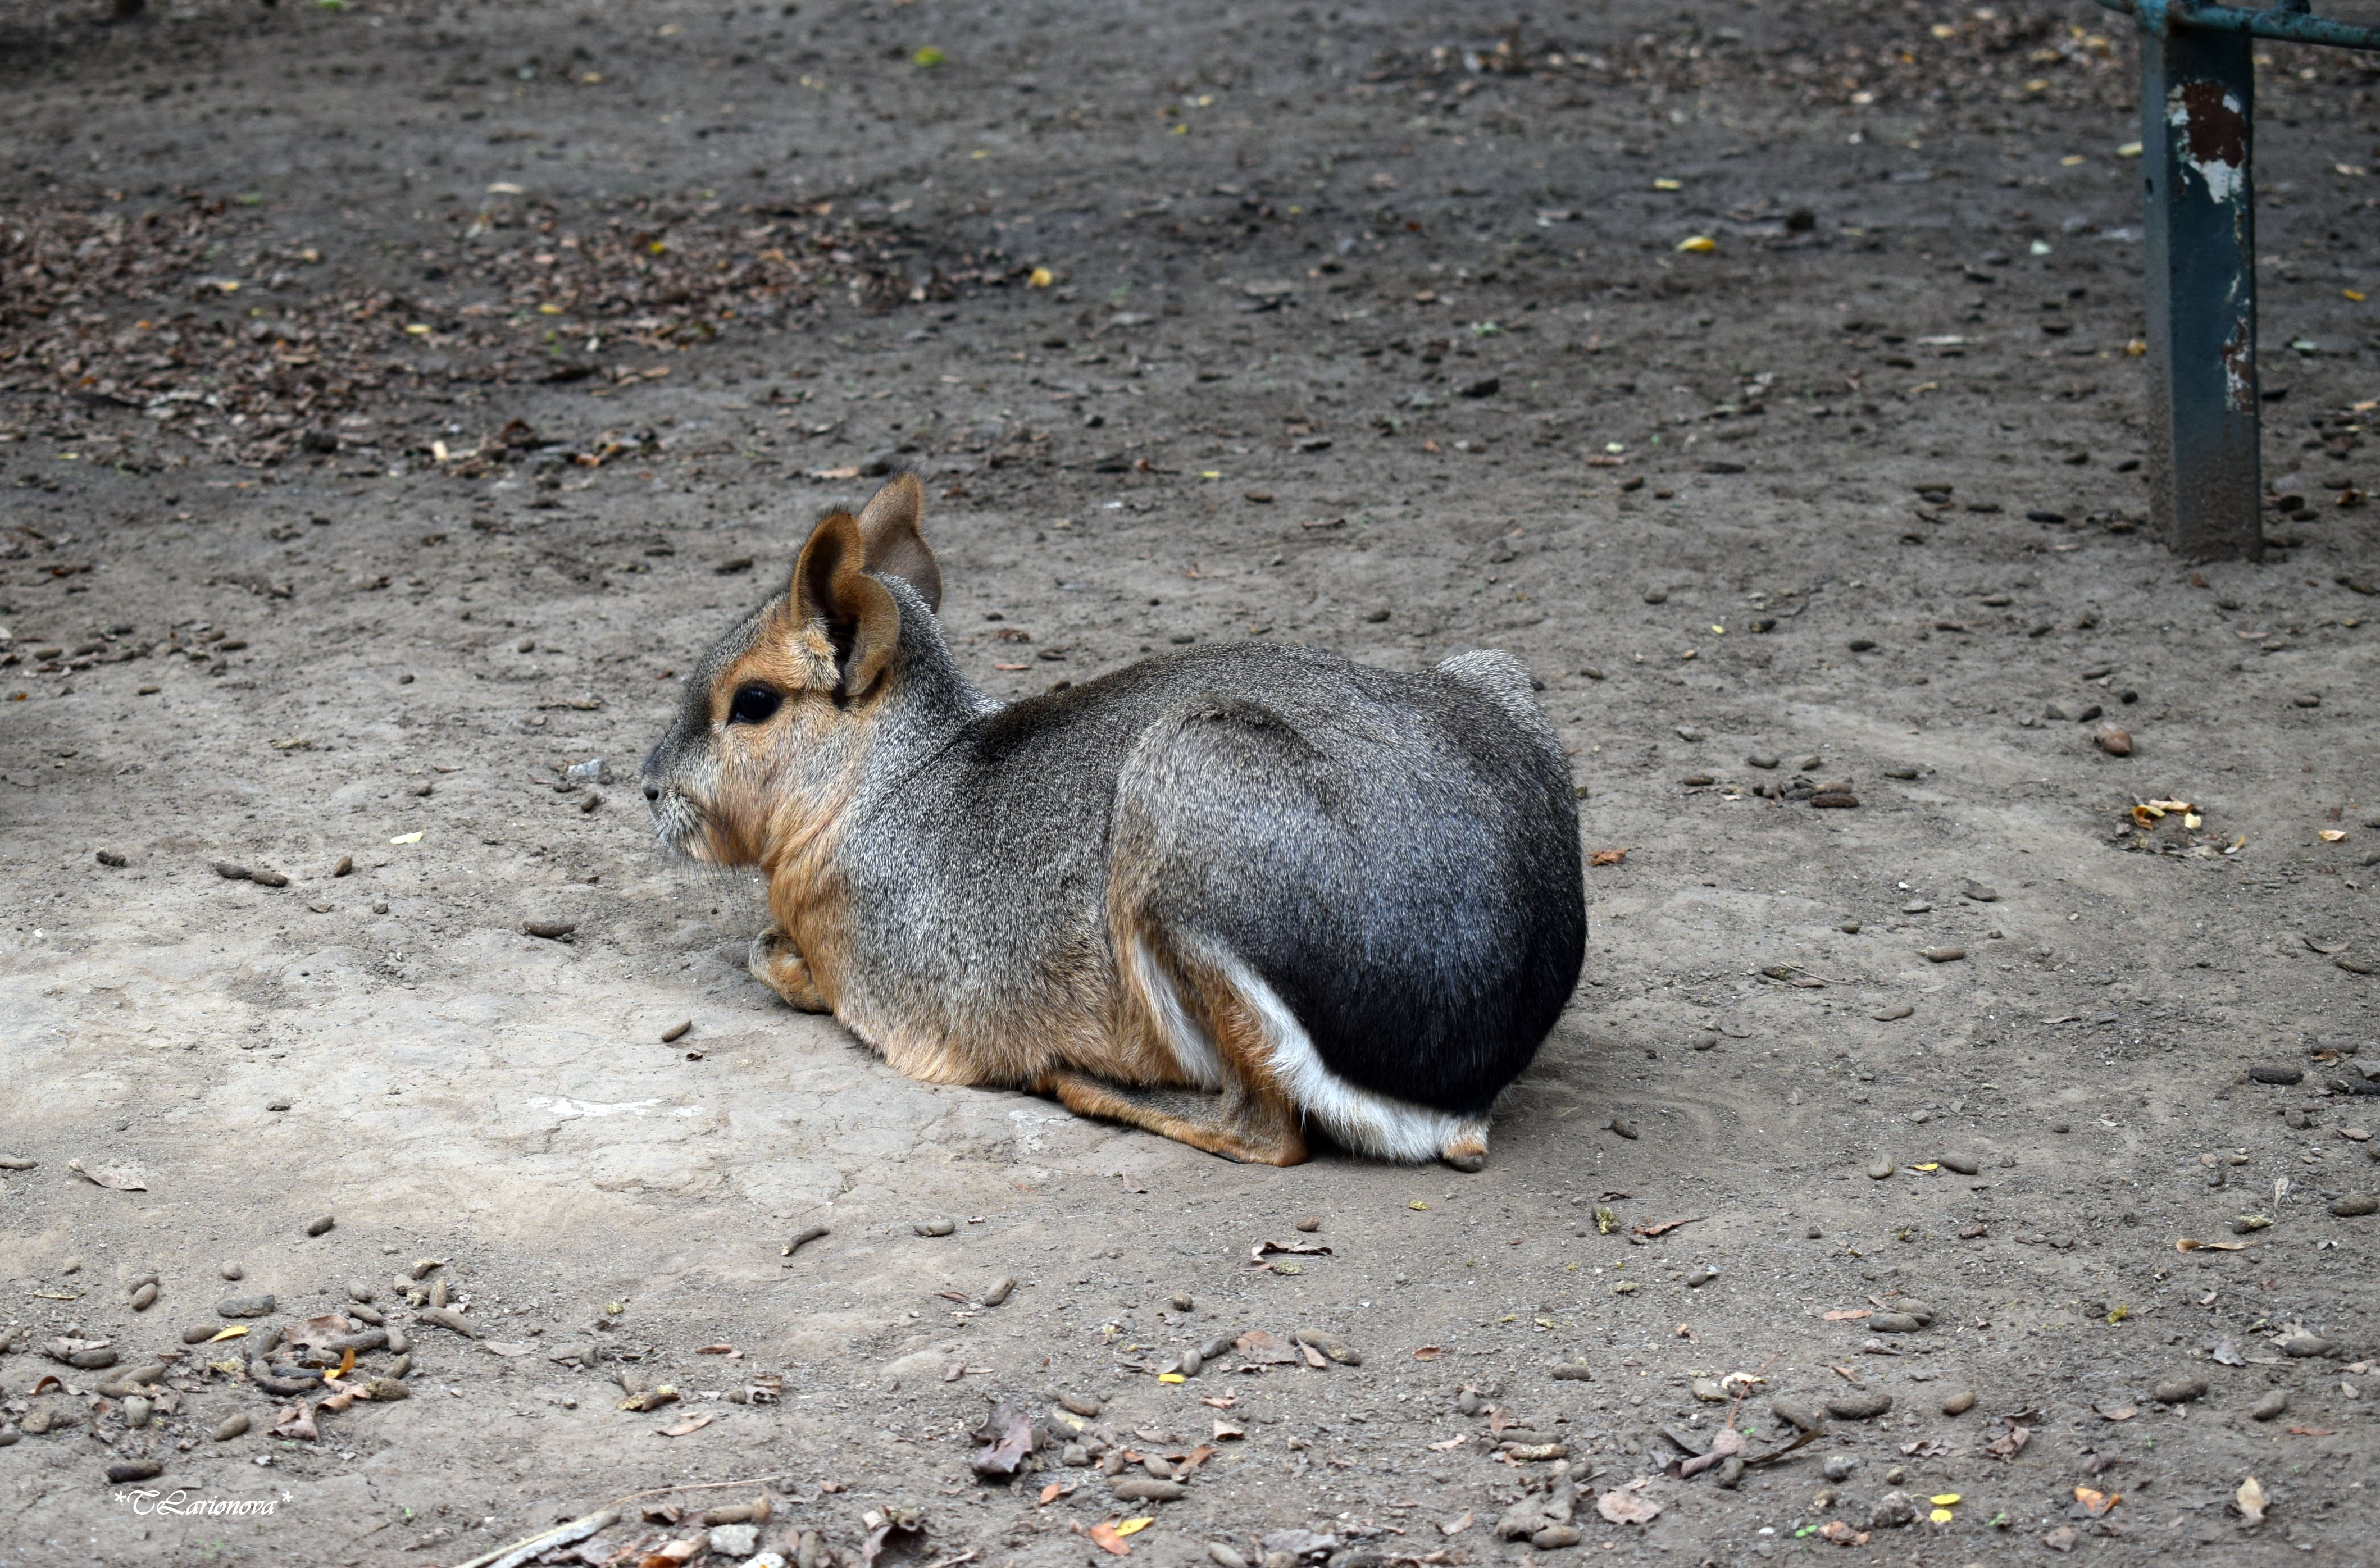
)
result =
(776, 964)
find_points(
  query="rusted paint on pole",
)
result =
(2197, 106)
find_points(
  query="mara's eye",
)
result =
(753, 705)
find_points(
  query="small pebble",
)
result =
(2273, 1404)
(2355, 1205)
(1223, 1556)
(1553, 1537)
(676, 1031)
(1965, 1165)
(1941, 954)
(134, 1470)
(2179, 1391)
(1703, 1042)
(199, 1333)
(319, 1225)
(1893, 1323)
(1002, 1287)
(1182, 1302)
(935, 1227)
(1889, 1015)
(361, 1290)
(135, 1412)
(245, 1305)
(1840, 1467)
(1863, 1406)
(2114, 740)
(550, 931)
(232, 1427)
(1852, 928)
(1981, 892)
(1081, 1405)
(73, 1264)
(1959, 1402)
(145, 1297)
(2061, 1126)
(1794, 1414)
(1698, 1278)
(1879, 1170)
(1761, 760)
(2275, 1075)
(1623, 1125)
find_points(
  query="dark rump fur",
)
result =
(1403, 868)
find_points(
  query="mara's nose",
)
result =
(652, 792)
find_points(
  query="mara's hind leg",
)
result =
(1235, 1126)
(1203, 1020)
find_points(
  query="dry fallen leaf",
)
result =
(298, 1421)
(2117, 1412)
(1455, 1527)
(1457, 1441)
(1847, 1313)
(690, 1425)
(1834, 1530)
(1666, 1226)
(1262, 1349)
(2009, 1444)
(1052, 1493)
(1607, 858)
(1225, 1431)
(1133, 1527)
(1007, 1437)
(1104, 1537)
(2186, 1244)
(2330, 835)
(2097, 1503)
(2251, 1500)
(1627, 1508)
(1428, 1353)
(118, 1178)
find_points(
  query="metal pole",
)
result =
(2197, 102)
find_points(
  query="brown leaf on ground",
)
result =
(686, 1428)
(1103, 1536)
(1456, 1525)
(2097, 1503)
(1607, 858)
(1627, 1508)
(2251, 1500)
(1834, 1530)
(2009, 1444)
(1262, 1349)
(298, 1421)
(1007, 1437)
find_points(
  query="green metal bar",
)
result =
(2290, 23)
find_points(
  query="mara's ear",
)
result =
(889, 525)
(832, 587)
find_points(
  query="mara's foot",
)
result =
(1467, 1154)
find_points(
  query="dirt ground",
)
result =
(398, 396)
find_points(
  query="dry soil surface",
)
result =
(396, 396)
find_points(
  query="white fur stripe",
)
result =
(1192, 1049)
(1360, 1120)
